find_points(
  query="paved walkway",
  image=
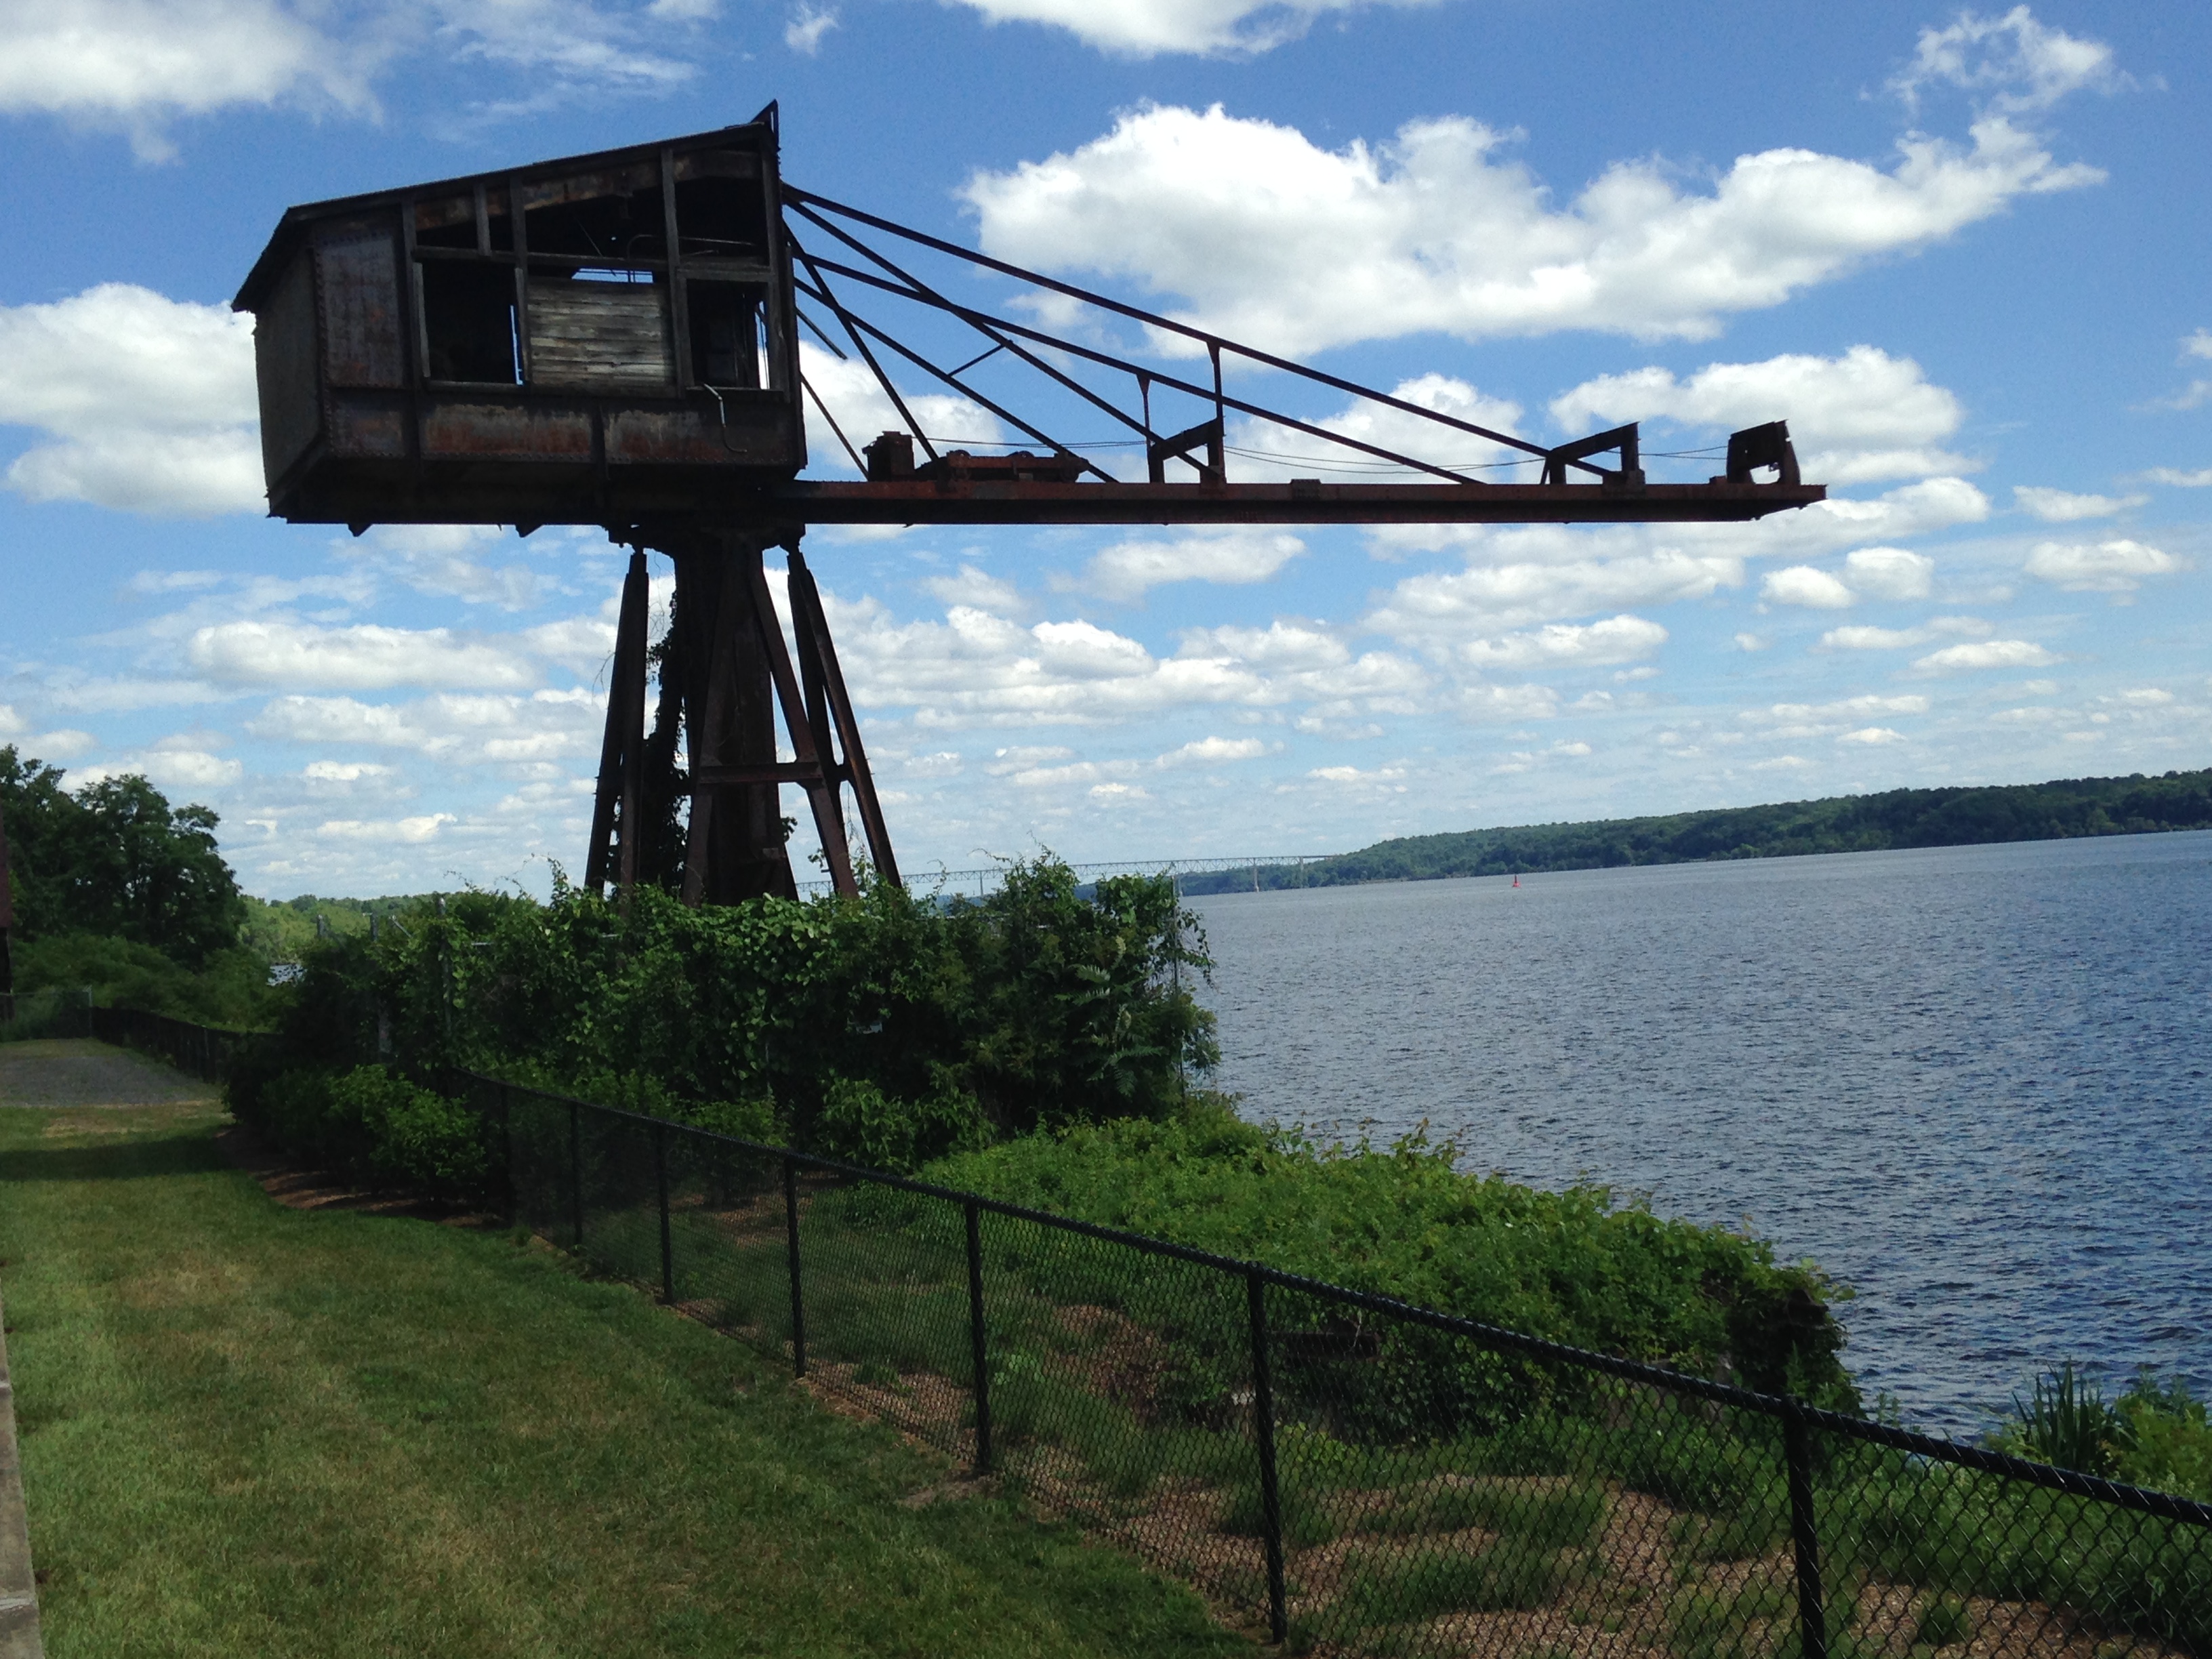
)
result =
(76, 1073)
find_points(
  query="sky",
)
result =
(1961, 251)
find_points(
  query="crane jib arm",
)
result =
(956, 500)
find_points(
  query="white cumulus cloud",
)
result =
(1265, 235)
(1566, 645)
(1801, 584)
(803, 32)
(1987, 654)
(1446, 608)
(1890, 573)
(408, 832)
(2064, 507)
(857, 402)
(2114, 567)
(1861, 417)
(454, 728)
(1146, 29)
(140, 402)
(1898, 639)
(368, 657)
(1208, 751)
(2022, 66)
(139, 65)
(1238, 554)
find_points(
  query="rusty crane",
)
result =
(613, 340)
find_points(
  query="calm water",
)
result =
(1971, 1082)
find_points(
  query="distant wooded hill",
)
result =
(1843, 824)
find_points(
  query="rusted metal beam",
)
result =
(819, 652)
(615, 802)
(954, 501)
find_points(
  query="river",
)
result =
(1973, 1082)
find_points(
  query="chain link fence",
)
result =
(205, 1051)
(1349, 1474)
(28, 1016)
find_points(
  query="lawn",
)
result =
(248, 1428)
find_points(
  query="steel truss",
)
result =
(726, 672)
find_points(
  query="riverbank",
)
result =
(2061, 810)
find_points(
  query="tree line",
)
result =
(1961, 817)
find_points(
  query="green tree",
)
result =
(116, 859)
(41, 820)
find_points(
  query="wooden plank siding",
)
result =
(600, 336)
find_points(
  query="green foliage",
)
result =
(115, 858)
(231, 989)
(1963, 1532)
(368, 1125)
(2065, 1421)
(2135, 804)
(886, 1028)
(2162, 1439)
(1943, 1620)
(1388, 1588)
(284, 930)
(863, 1125)
(1576, 1266)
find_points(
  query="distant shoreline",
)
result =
(2063, 810)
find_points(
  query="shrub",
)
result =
(887, 1028)
(367, 1124)
(862, 1125)
(2065, 1421)
(1575, 1266)
(2162, 1438)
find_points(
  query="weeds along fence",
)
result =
(1355, 1474)
(26, 1016)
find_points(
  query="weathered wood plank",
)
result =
(599, 334)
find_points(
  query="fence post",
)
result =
(661, 1181)
(975, 1346)
(1263, 1435)
(506, 1154)
(791, 1237)
(576, 1172)
(1797, 1450)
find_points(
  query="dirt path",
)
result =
(77, 1074)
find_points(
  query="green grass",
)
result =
(1540, 1517)
(251, 1430)
(1388, 1587)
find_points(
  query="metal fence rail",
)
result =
(205, 1051)
(1350, 1472)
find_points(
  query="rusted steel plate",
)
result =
(360, 428)
(505, 430)
(357, 278)
(754, 437)
(284, 358)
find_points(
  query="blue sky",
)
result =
(1962, 252)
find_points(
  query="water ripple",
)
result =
(1971, 1082)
